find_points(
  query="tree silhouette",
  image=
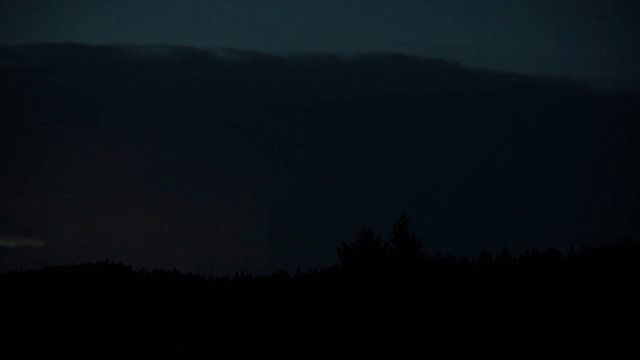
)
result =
(367, 253)
(406, 247)
(505, 257)
(484, 259)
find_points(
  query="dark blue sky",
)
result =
(594, 39)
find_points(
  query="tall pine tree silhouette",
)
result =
(406, 247)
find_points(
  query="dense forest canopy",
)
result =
(535, 304)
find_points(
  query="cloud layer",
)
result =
(230, 159)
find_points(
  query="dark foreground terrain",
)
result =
(538, 305)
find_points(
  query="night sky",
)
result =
(580, 38)
(253, 135)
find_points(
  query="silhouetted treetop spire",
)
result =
(406, 247)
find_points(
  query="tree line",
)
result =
(385, 299)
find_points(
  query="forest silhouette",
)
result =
(384, 299)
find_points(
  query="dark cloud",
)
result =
(592, 39)
(229, 159)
